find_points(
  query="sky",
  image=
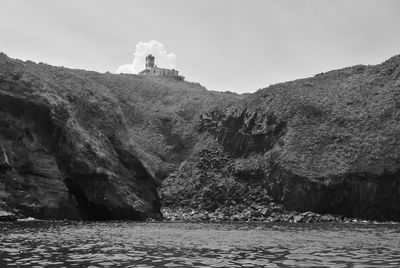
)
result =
(225, 45)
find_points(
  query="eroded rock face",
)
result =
(328, 144)
(80, 144)
(31, 181)
(354, 195)
(243, 132)
(56, 164)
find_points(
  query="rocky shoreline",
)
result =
(7, 216)
(254, 215)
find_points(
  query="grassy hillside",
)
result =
(329, 143)
(339, 122)
(84, 144)
(75, 140)
(159, 113)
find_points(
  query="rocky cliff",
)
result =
(328, 144)
(82, 145)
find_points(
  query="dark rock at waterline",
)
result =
(7, 216)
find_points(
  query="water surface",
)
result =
(130, 244)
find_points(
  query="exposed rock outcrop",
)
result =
(83, 145)
(328, 144)
(53, 168)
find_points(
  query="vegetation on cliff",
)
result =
(79, 144)
(329, 144)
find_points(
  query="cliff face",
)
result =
(329, 144)
(83, 145)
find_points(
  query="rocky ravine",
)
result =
(83, 145)
(328, 144)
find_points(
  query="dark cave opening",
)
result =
(88, 210)
(91, 210)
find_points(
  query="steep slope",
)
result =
(79, 144)
(330, 144)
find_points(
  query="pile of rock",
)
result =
(274, 213)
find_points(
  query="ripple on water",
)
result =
(129, 244)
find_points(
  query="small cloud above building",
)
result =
(143, 49)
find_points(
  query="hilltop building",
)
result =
(153, 70)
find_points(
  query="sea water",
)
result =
(166, 244)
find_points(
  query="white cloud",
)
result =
(163, 59)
